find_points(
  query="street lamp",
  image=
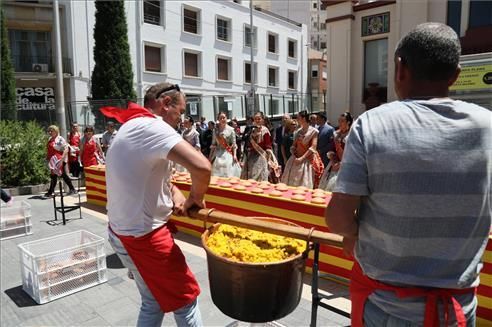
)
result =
(60, 95)
(251, 94)
(323, 55)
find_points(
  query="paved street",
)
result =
(116, 302)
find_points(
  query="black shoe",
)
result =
(48, 195)
(72, 192)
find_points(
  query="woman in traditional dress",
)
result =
(56, 154)
(258, 157)
(223, 153)
(304, 167)
(329, 178)
(91, 152)
(190, 134)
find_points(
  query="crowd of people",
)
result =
(68, 159)
(301, 151)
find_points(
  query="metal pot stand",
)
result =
(62, 208)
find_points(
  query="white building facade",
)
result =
(204, 46)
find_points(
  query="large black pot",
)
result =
(254, 292)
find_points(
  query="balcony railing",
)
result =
(152, 19)
(39, 64)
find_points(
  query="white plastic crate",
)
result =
(15, 220)
(61, 265)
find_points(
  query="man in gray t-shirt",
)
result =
(419, 172)
(108, 136)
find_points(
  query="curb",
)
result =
(36, 189)
(28, 189)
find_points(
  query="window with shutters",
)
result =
(154, 58)
(152, 12)
(223, 69)
(272, 76)
(192, 64)
(223, 29)
(247, 72)
(292, 79)
(272, 43)
(250, 37)
(292, 48)
(191, 20)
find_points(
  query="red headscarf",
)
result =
(123, 115)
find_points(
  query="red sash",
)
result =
(315, 161)
(163, 267)
(362, 286)
(223, 143)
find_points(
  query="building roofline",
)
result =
(285, 19)
(327, 3)
(373, 4)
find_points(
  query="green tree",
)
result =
(112, 77)
(23, 147)
(7, 80)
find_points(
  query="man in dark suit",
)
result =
(325, 137)
(279, 135)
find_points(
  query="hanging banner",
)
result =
(477, 77)
(35, 98)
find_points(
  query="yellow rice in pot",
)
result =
(244, 245)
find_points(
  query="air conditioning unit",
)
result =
(40, 68)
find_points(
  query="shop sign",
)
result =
(376, 24)
(35, 98)
(477, 77)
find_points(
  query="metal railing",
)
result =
(272, 105)
(39, 64)
(152, 19)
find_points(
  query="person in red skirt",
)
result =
(73, 150)
(56, 154)
(141, 199)
(91, 153)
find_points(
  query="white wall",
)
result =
(171, 36)
(437, 11)
(338, 67)
(81, 43)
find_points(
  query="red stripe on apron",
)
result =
(362, 286)
(163, 267)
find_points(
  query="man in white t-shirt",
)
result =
(141, 199)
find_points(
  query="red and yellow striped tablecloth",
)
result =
(303, 213)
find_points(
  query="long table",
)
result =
(222, 196)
